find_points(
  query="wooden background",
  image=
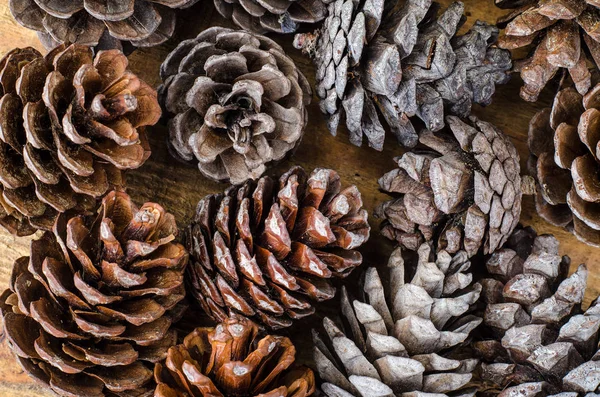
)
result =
(178, 187)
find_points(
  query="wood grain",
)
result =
(178, 186)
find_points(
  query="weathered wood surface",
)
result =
(178, 187)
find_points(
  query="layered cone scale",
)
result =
(70, 124)
(232, 360)
(261, 249)
(90, 310)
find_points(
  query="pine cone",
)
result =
(230, 360)
(562, 141)
(464, 193)
(410, 63)
(237, 103)
(272, 16)
(259, 250)
(69, 124)
(553, 30)
(404, 339)
(540, 341)
(99, 23)
(92, 306)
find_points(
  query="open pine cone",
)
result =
(563, 144)
(231, 360)
(409, 63)
(91, 308)
(262, 248)
(404, 339)
(266, 16)
(99, 23)
(70, 123)
(557, 32)
(540, 342)
(236, 103)
(463, 194)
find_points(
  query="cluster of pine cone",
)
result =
(470, 302)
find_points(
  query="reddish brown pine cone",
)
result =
(564, 146)
(236, 103)
(263, 248)
(232, 360)
(99, 23)
(558, 32)
(463, 192)
(90, 310)
(70, 123)
(540, 342)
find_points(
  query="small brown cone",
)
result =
(232, 360)
(266, 250)
(90, 310)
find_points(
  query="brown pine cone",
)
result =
(540, 341)
(231, 360)
(91, 307)
(236, 103)
(405, 338)
(562, 141)
(266, 16)
(408, 63)
(70, 123)
(558, 33)
(261, 249)
(99, 23)
(464, 193)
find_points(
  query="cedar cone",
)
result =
(404, 338)
(464, 193)
(236, 103)
(540, 340)
(230, 360)
(562, 141)
(99, 23)
(92, 306)
(266, 16)
(410, 63)
(260, 249)
(69, 124)
(553, 31)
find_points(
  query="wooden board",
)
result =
(178, 187)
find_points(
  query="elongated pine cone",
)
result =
(261, 249)
(236, 103)
(90, 309)
(232, 360)
(563, 144)
(464, 193)
(99, 23)
(404, 338)
(70, 123)
(557, 32)
(266, 16)
(409, 63)
(540, 341)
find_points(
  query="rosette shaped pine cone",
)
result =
(90, 310)
(261, 249)
(266, 16)
(99, 23)
(404, 337)
(463, 193)
(232, 360)
(236, 103)
(564, 146)
(558, 33)
(383, 62)
(70, 123)
(540, 342)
